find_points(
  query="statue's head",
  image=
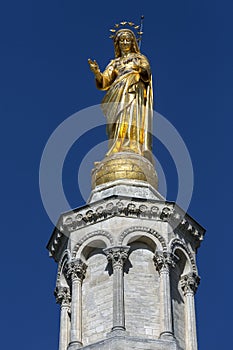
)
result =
(125, 40)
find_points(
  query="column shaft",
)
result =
(75, 271)
(64, 328)
(63, 298)
(189, 284)
(117, 257)
(76, 311)
(165, 304)
(163, 261)
(190, 322)
(118, 299)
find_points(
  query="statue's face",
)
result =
(125, 42)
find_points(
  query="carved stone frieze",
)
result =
(160, 210)
(62, 295)
(117, 207)
(121, 206)
(75, 269)
(117, 256)
(189, 283)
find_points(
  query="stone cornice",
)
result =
(120, 206)
(130, 207)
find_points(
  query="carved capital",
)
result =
(62, 295)
(76, 270)
(163, 261)
(117, 256)
(189, 283)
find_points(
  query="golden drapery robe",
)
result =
(128, 104)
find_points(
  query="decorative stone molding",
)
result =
(76, 270)
(123, 206)
(116, 207)
(186, 226)
(143, 229)
(97, 233)
(164, 260)
(189, 283)
(62, 263)
(62, 295)
(117, 255)
(178, 244)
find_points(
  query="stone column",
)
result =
(76, 273)
(163, 263)
(63, 298)
(189, 284)
(117, 257)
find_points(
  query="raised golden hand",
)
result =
(95, 69)
(93, 66)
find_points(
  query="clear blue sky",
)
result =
(45, 78)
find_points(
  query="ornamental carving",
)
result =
(117, 207)
(189, 283)
(143, 229)
(178, 244)
(62, 295)
(117, 256)
(163, 261)
(97, 233)
(124, 207)
(76, 270)
(62, 263)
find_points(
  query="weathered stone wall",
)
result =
(97, 300)
(142, 294)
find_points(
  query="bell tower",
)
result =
(127, 272)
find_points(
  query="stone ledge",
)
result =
(119, 342)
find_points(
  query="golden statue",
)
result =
(128, 102)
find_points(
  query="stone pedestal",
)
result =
(128, 260)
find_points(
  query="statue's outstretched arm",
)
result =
(95, 69)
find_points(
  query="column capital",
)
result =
(76, 269)
(62, 295)
(189, 283)
(163, 261)
(117, 255)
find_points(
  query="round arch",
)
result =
(61, 280)
(178, 247)
(143, 234)
(95, 240)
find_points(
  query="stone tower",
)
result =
(127, 271)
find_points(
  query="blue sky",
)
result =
(45, 78)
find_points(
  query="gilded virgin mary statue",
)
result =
(128, 101)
